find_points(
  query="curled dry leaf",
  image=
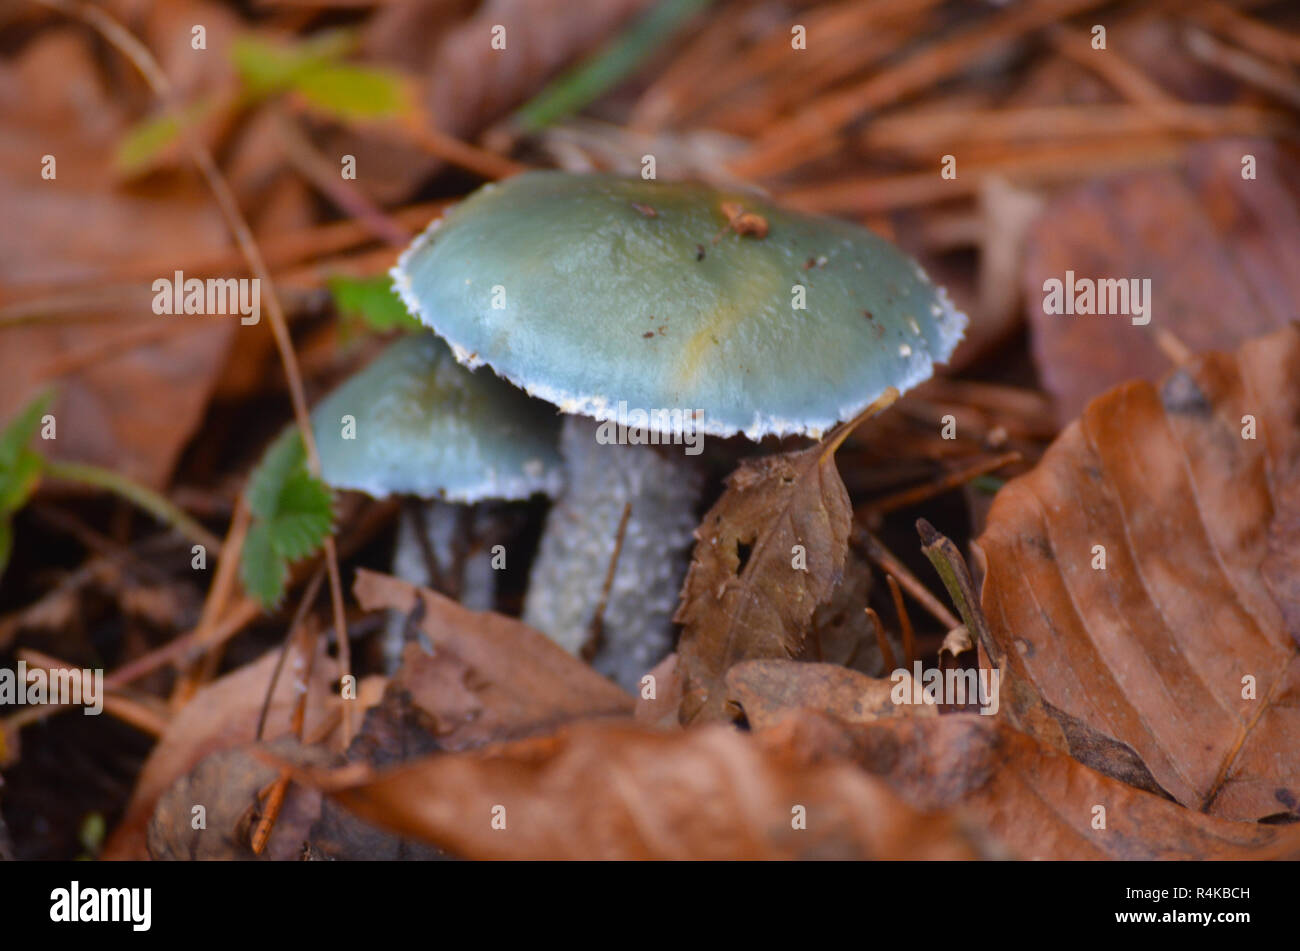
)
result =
(767, 690)
(491, 676)
(1219, 251)
(841, 632)
(612, 790)
(228, 784)
(221, 716)
(1184, 646)
(956, 642)
(744, 597)
(1033, 801)
(393, 731)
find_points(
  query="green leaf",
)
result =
(20, 467)
(313, 70)
(15, 437)
(371, 301)
(261, 571)
(304, 517)
(280, 460)
(19, 481)
(606, 69)
(292, 516)
(145, 142)
(6, 542)
(351, 93)
(266, 67)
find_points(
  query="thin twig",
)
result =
(875, 551)
(325, 177)
(481, 162)
(156, 505)
(304, 605)
(214, 607)
(143, 60)
(904, 622)
(945, 483)
(1259, 37)
(882, 641)
(596, 629)
(129, 710)
(814, 130)
(282, 251)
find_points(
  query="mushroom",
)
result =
(622, 300)
(415, 422)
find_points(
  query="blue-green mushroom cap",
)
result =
(424, 425)
(592, 291)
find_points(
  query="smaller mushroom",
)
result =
(701, 319)
(415, 422)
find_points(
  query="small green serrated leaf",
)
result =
(304, 517)
(282, 457)
(372, 302)
(292, 516)
(262, 572)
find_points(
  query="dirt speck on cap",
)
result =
(744, 223)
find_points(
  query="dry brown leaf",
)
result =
(1281, 566)
(132, 385)
(767, 690)
(1034, 802)
(611, 790)
(491, 676)
(222, 716)
(743, 597)
(1220, 252)
(661, 709)
(1155, 649)
(227, 785)
(841, 633)
(471, 84)
(394, 731)
(467, 84)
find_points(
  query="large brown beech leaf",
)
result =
(1196, 602)
(1031, 802)
(746, 595)
(616, 790)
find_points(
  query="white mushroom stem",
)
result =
(578, 542)
(464, 568)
